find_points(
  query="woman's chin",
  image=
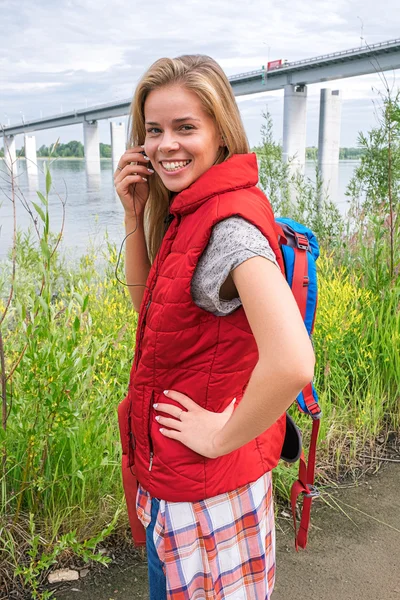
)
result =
(177, 186)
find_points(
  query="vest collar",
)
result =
(238, 171)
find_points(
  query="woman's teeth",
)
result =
(174, 166)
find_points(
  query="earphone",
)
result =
(167, 221)
(122, 245)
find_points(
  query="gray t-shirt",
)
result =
(232, 241)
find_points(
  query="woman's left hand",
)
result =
(192, 425)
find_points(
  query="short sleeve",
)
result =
(232, 241)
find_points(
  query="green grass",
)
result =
(61, 446)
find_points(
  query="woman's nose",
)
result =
(168, 144)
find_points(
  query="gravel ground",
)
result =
(353, 551)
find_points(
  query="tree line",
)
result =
(344, 153)
(75, 149)
(72, 149)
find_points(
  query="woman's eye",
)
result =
(156, 130)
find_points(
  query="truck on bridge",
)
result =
(276, 64)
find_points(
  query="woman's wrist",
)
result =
(221, 445)
(132, 218)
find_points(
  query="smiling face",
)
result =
(182, 140)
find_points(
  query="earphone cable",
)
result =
(122, 245)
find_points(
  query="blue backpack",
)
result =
(300, 251)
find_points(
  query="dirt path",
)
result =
(356, 559)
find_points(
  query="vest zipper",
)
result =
(141, 333)
(149, 433)
(138, 352)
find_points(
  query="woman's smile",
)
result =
(173, 167)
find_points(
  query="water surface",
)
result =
(92, 206)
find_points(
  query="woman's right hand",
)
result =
(131, 180)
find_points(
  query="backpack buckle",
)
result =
(302, 242)
(313, 492)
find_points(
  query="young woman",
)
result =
(221, 348)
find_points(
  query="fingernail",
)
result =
(142, 147)
(150, 170)
(166, 392)
(234, 400)
(144, 179)
(155, 405)
(161, 430)
(145, 157)
(158, 418)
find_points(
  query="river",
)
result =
(92, 206)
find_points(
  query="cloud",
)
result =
(73, 53)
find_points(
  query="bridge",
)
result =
(293, 77)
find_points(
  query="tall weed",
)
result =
(67, 345)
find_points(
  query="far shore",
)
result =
(82, 158)
(62, 158)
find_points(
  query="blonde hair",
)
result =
(203, 76)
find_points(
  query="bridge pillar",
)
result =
(92, 147)
(30, 154)
(294, 126)
(10, 154)
(330, 113)
(118, 142)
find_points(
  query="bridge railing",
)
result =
(247, 74)
(358, 50)
(304, 61)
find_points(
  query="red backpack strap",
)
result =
(300, 273)
(305, 485)
(312, 406)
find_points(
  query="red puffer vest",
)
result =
(182, 347)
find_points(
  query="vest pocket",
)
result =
(151, 447)
(125, 430)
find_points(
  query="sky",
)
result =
(69, 54)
